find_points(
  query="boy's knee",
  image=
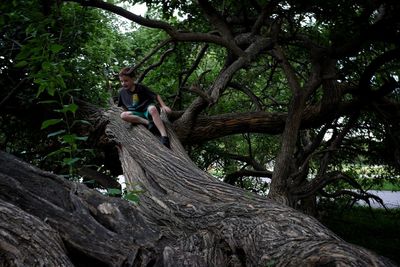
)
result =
(153, 110)
(124, 115)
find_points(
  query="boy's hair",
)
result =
(127, 71)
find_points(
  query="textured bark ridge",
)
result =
(184, 218)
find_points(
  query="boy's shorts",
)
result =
(143, 114)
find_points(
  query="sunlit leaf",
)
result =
(56, 133)
(50, 122)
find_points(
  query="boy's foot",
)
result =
(165, 141)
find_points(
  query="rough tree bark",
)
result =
(185, 217)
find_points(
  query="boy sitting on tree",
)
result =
(139, 103)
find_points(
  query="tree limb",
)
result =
(155, 65)
(256, 101)
(157, 24)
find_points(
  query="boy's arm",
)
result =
(163, 105)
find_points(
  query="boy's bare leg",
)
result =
(157, 120)
(127, 116)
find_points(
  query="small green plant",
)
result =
(270, 263)
(41, 58)
(70, 150)
(130, 195)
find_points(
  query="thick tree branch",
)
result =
(372, 68)
(293, 82)
(177, 35)
(216, 20)
(184, 214)
(263, 17)
(25, 240)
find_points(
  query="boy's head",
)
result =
(127, 71)
(126, 77)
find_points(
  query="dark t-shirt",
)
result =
(138, 100)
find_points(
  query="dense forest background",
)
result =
(294, 100)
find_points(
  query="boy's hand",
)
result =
(166, 109)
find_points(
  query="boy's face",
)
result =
(126, 82)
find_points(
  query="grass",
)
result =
(393, 185)
(375, 229)
(389, 186)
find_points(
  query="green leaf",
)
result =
(72, 138)
(70, 161)
(113, 191)
(137, 192)
(71, 90)
(46, 65)
(55, 48)
(50, 122)
(56, 133)
(41, 89)
(132, 197)
(58, 151)
(24, 54)
(80, 122)
(69, 138)
(47, 102)
(70, 107)
(81, 138)
(21, 64)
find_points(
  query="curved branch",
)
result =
(216, 19)
(372, 68)
(197, 90)
(149, 55)
(256, 101)
(264, 14)
(335, 144)
(187, 74)
(291, 77)
(157, 24)
(319, 183)
(247, 159)
(195, 64)
(357, 196)
(155, 65)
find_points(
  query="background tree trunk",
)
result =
(185, 217)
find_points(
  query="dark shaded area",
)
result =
(375, 229)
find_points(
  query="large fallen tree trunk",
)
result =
(185, 217)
